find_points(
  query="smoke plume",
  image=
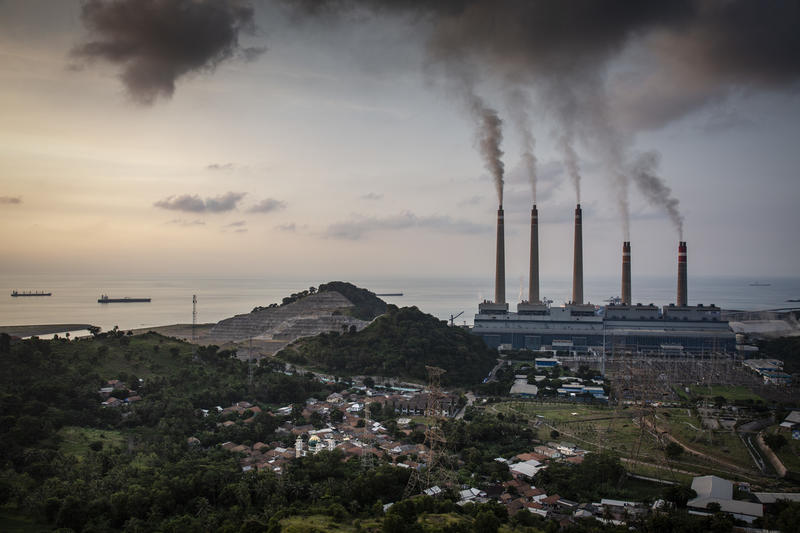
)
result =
(571, 162)
(156, 42)
(519, 104)
(644, 172)
(696, 51)
(489, 136)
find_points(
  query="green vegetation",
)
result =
(731, 393)
(787, 349)
(366, 305)
(398, 344)
(78, 441)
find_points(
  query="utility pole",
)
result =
(194, 317)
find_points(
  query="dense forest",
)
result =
(399, 343)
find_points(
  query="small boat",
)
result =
(793, 300)
(390, 294)
(757, 284)
(104, 299)
(16, 294)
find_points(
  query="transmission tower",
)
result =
(194, 317)
(437, 472)
(366, 457)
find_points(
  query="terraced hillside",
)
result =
(272, 328)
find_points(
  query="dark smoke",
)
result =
(571, 162)
(490, 135)
(156, 42)
(519, 105)
(698, 51)
(644, 172)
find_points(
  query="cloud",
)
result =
(286, 227)
(185, 223)
(372, 196)
(267, 206)
(360, 225)
(157, 42)
(192, 203)
(237, 224)
(240, 230)
(472, 200)
(10, 200)
(220, 166)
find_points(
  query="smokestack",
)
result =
(577, 268)
(682, 291)
(500, 263)
(533, 290)
(626, 273)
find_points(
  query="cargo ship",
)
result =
(104, 299)
(15, 294)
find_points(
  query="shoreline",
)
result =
(41, 329)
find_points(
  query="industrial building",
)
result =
(675, 329)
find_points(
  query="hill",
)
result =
(334, 306)
(398, 344)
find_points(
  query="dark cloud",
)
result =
(185, 223)
(220, 166)
(286, 227)
(359, 225)
(372, 196)
(267, 206)
(192, 203)
(156, 42)
(689, 53)
(10, 199)
(237, 224)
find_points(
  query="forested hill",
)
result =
(398, 344)
(367, 305)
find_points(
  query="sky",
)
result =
(348, 139)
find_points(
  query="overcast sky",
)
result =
(338, 142)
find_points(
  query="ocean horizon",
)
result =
(74, 297)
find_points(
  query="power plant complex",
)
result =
(577, 327)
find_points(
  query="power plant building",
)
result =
(579, 328)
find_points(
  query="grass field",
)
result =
(790, 453)
(617, 430)
(322, 523)
(729, 392)
(76, 440)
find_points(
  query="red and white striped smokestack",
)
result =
(500, 261)
(682, 290)
(626, 273)
(577, 267)
(533, 289)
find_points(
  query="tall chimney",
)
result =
(533, 290)
(626, 273)
(682, 291)
(500, 262)
(577, 268)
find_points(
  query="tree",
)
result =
(673, 450)
(679, 495)
(775, 441)
(486, 522)
(369, 382)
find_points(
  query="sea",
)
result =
(74, 297)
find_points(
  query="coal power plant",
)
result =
(578, 327)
